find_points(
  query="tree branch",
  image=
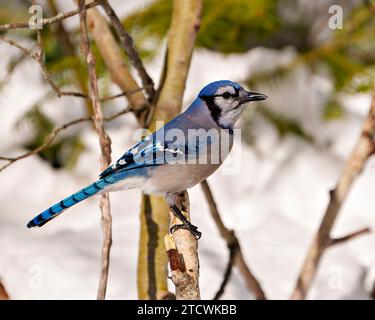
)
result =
(234, 249)
(353, 167)
(227, 273)
(182, 251)
(54, 133)
(335, 241)
(114, 60)
(152, 259)
(3, 293)
(128, 46)
(105, 145)
(38, 57)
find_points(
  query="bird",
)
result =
(176, 157)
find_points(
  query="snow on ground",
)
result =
(274, 201)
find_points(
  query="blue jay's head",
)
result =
(226, 100)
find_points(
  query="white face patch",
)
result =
(226, 99)
(226, 103)
(122, 162)
(228, 119)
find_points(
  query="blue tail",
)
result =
(68, 202)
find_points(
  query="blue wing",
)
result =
(155, 150)
(148, 152)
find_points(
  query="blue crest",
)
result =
(211, 88)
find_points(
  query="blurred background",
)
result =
(318, 75)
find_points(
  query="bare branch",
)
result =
(38, 57)
(227, 273)
(105, 145)
(51, 137)
(128, 94)
(335, 241)
(182, 251)
(3, 293)
(128, 46)
(353, 167)
(114, 60)
(233, 246)
(47, 21)
(24, 50)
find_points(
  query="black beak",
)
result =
(253, 96)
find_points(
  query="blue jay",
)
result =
(177, 156)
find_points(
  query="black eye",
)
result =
(226, 95)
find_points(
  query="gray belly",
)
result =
(177, 177)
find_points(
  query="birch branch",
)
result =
(235, 252)
(152, 259)
(353, 167)
(182, 251)
(105, 145)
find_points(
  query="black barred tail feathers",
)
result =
(68, 202)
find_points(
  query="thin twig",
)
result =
(353, 167)
(47, 21)
(11, 68)
(227, 273)
(105, 146)
(233, 244)
(24, 50)
(38, 57)
(350, 236)
(128, 46)
(52, 136)
(123, 94)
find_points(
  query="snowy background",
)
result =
(274, 203)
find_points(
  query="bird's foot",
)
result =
(187, 226)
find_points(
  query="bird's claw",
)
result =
(191, 228)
